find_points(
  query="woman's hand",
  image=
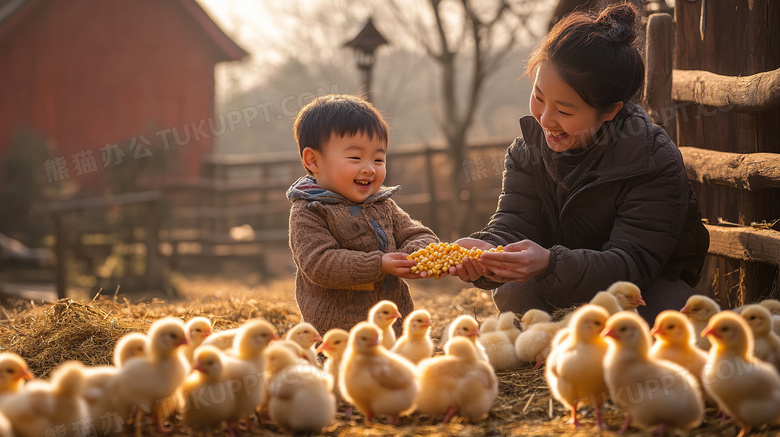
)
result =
(518, 262)
(395, 263)
(470, 270)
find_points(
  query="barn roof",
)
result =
(12, 11)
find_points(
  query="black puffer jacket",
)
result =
(631, 217)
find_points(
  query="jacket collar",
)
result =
(306, 188)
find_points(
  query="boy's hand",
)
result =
(395, 263)
(470, 270)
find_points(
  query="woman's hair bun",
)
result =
(618, 23)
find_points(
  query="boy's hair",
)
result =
(340, 114)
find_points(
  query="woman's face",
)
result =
(568, 122)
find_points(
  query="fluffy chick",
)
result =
(13, 373)
(306, 335)
(699, 309)
(608, 301)
(129, 346)
(197, 330)
(467, 326)
(745, 387)
(676, 343)
(203, 392)
(500, 350)
(506, 323)
(651, 392)
(41, 406)
(535, 341)
(416, 344)
(575, 369)
(334, 346)
(628, 295)
(383, 315)
(766, 344)
(153, 381)
(299, 398)
(374, 380)
(773, 305)
(456, 383)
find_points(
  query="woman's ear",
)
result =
(610, 115)
(310, 159)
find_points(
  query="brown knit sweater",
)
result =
(337, 246)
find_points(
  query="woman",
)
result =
(593, 191)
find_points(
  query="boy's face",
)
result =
(352, 166)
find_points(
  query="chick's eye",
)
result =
(671, 327)
(337, 342)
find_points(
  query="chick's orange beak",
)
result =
(639, 301)
(324, 346)
(199, 367)
(26, 375)
(395, 315)
(427, 324)
(475, 333)
(686, 309)
(710, 330)
(657, 330)
(608, 332)
(274, 336)
(207, 332)
(375, 341)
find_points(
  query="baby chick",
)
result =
(383, 315)
(651, 392)
(699, 308)
(197, 330)
(456, 383)
(206, 403)
(608, 301)
(374, 380)
(466, 326)
(575, 369)
(306, 336)
(766, 344)
(13, 373)
(299, 399)
(251, 340)
(129, 346)
(506, 323)
(153, 381)
(628, 295)
(499, 349)
(773, 305)
(41, 406)
(416, 344)
(676, 342)
(535, 341)
(745, 387)
(334, 346)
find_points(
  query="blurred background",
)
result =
(140, 138)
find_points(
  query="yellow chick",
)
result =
(208, 393)
(699, 309)
(773, 305)
(334, 346)
(129, 346)
(650, 392)
(490, 324)
(197, 330)
(375, 381)
(299, 398)
(383, 315)
(456, 383)
(466, 326)
(13, 373)
(745, 387)
(306, 335)
(223, 340)
(500, 350)
(676, 343)
(152, 382)
(535, 341)
(42, 406)
(766, 344)
(506, 323)
(416, 344)
(608, 301)
(5, 427)
(628, 295)
(575, 369)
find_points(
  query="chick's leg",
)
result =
(599, 420)
(745, 431)
(573, 420)
(450, 413)
(625, 426)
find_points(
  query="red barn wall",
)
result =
(89, 73)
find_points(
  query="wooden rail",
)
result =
(751, 171)
(745, 243)
(756, 93)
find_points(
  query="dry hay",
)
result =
(48, 335)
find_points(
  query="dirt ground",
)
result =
(524, 405)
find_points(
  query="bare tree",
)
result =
(469, 38)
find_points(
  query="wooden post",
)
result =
(659, 52)
(60, 251)
(153, 273)
(434, 204)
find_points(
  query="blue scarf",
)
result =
(306, 188)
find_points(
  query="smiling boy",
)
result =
(348, 239)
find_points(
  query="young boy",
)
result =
(348, 239)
